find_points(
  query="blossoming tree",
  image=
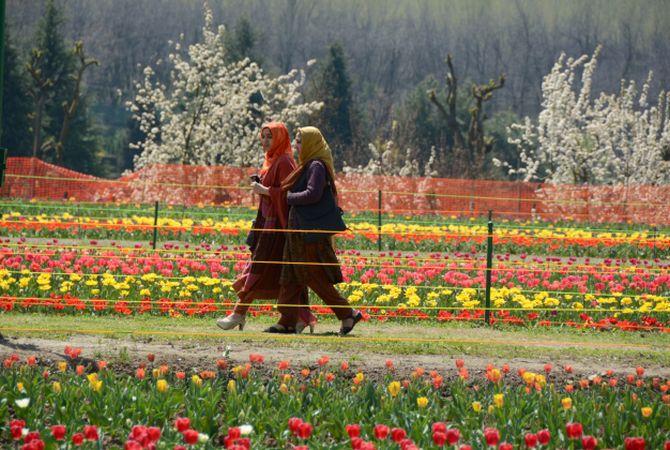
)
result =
(210, 111)
(612, 139)
(617, 139)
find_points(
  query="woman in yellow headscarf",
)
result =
(309, 187)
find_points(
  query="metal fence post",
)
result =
(489, 267)
(155, 224)
(379, 220)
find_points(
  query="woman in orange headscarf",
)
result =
(260, 279)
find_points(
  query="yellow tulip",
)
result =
(394, 388)
(422, 402)
(498, 400)
(56, 387)
(162, 385)
(476, 407)
(62, 366)
(196, 380)
(567, 403)
(232, 387)
(646, 411)
(283, 389)
(19, 386)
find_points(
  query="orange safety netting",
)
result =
(190, 185)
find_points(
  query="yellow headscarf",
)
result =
(314, 147)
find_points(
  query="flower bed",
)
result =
(78, 401)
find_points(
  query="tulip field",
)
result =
(62, 262)
(75, 403)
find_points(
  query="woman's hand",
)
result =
(259, 189)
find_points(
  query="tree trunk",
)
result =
(37, 124)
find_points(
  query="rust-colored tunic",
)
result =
(261, 280)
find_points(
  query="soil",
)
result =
(126, 354)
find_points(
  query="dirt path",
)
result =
(203, 355)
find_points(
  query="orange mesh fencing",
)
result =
(29, 178)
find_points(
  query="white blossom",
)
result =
(614, 139)
(210, 111)
(22, 403)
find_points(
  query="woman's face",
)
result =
(266, 139)
(298, 143)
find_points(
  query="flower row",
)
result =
(325, 405)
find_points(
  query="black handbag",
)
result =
(254, 233)
(324, 215)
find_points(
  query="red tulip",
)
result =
(32, 436)
(356, 443)
(91, 433)
(398, 434)
(353, 430)
(543, 437)
(465, 447)
(453, 435)
(531, 440)
(234, 433)
(381, 431)
(182, 424)
(132, 445)
(439, 438)
(294, 425)
(190, 436)
(589, 442)
(58, 432)
(16, 431)
(506, 446)
(574, 430)
(35, 444)
(634, 443)
(439, 427)
(305, 430)
(77, 439)
(667, 445)
(492, 436)
(408, 444)
(154, 434)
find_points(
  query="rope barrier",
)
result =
(349, 232)
(442, 266)
(174, 213)
(244, 249)
(43, 301)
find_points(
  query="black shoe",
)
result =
(356, 317)
(279, 328)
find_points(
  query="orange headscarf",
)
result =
(281, 144)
